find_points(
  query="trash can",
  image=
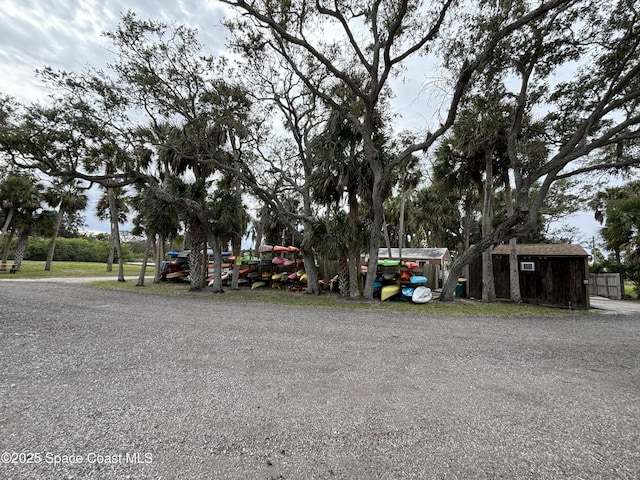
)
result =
(461, 288)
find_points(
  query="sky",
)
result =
(68, 35)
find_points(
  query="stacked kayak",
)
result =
(398, 280)
(276, 264)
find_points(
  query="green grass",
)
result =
(629, 290)
(467, 308)
(35, 269)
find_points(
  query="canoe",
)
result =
(411, 265)
(389, 291)
(278, 261)
(178, 274)
(276, 284)
(303, 277)
(277, 277)
(279, 248)
(293, 276)
(388, 263)
(266, 275)
(418, 280)
(265, 248)
(293, 249)
(288, 263)
(422, 295)
(258, 284)
(407, 292)
(253, 274)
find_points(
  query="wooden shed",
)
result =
(435, 263)
(550, 274)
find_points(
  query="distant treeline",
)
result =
(75, 250)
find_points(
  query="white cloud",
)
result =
(69, 35)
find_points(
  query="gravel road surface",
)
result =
(97, 384)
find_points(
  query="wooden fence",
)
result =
(606, 285)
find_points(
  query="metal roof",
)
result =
(544, 250)
(416, 253)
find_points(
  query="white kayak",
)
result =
(422, 295)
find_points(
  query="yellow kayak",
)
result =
(389, 291)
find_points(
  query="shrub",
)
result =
(74, 250)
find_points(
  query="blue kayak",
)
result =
(408, 292)
(418, 280)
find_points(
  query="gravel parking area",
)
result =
(97, 384)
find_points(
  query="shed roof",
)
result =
(416, 253)
(544, 249)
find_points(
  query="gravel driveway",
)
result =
(100, 384)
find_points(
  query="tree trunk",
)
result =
(488, 284)
(326, 261)
(159, 258)
(309, 260)
(237, 236)
(376, 230)
(343, 273)
(52, 244)
(20, 249)
(145, 257)
(7, 222)
(504, 231)
(403, 199)
(195, 266)
(264, 211)
(217, 262)
(5, 252)
(205, 266)
(112, 249)
(235, 248)
(514, 273)
(354, 253)
(198, 235)
(115, 233)
(313, 284)
(385, 231)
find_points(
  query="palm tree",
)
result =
(183, 151)
(16, 190)
(31, 222)
(436, 218)
(156, 217)
(331, 240)
(340, 169)
(21, 196)
(222, 210)
(476, 154)
(69, 198)
(113, 205)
